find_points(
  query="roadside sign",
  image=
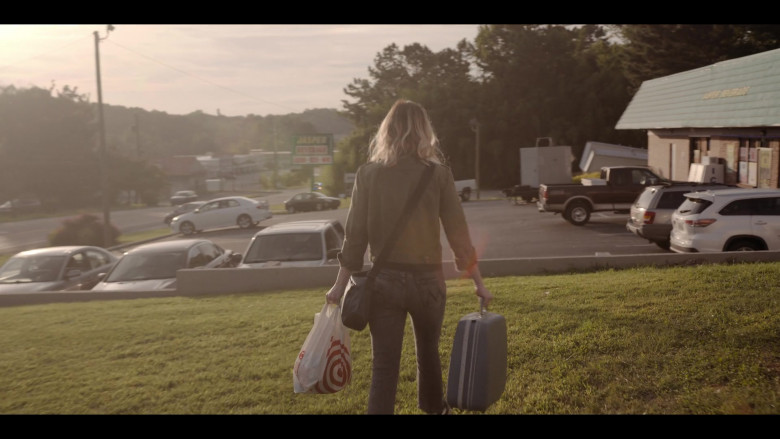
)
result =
(313, 149)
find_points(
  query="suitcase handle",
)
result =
(482, 307)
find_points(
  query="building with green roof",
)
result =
(726, 113)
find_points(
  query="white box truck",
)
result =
(541, 164)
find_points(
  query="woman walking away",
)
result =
(410, 280)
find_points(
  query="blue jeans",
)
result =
(422, 295)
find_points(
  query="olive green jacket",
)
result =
(379, 196)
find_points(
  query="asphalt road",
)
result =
(499, 229)
(23, 235)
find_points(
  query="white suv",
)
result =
(651, 214)
(295, 244)
(727, 220)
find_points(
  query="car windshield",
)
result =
(285, 247)
(43, 268)
(148, 266)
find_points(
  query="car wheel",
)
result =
(290, 209)
(744, 245)
(465, 195)
(244, 221)
(187, 228)
(578, 213)
(662, 244)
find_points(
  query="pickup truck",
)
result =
(615, 191)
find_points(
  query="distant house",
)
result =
(267, 159)
(221, 166)
(183, 172)
(726, 113)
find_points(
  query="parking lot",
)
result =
(500, 229)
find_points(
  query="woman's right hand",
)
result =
(338, 288)
(484, 294)
(479, 287)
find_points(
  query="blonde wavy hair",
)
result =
(406, 130)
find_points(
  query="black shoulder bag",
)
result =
(356, 303)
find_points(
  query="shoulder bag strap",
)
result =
(391, 239)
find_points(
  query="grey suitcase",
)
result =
(478, 360)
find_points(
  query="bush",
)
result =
(294, 178)
(83, 230)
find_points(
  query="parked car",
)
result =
(222, 212)
(182, 197)
(182, 208)
(295, 244)
(21, 205)
(727, 220)
(153, 266)
(308, 201)
(615, 190)
(651, 214)
(55, 269)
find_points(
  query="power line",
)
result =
(77, 40)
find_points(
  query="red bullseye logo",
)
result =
(338, 369)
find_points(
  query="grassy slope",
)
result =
(680, 340)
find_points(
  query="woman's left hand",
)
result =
(334, 295)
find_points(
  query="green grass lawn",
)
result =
(678, 340)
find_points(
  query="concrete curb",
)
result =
(196, 282)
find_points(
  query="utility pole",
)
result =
(102, 153)
(137, 130)
(276, 163)
(474, 123)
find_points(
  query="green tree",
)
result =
(545, 81)
(47, 146)
(136, 177)
(440, 81)
(655, 50)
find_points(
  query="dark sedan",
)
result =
(308, 201)
(55, 269)
(182, 197)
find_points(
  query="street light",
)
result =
(103, 158)
(474, 124)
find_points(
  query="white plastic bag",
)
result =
(324, 364)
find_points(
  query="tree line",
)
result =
(49, 144)
(523, 82)
(517, 82)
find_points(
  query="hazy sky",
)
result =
(236, 69)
